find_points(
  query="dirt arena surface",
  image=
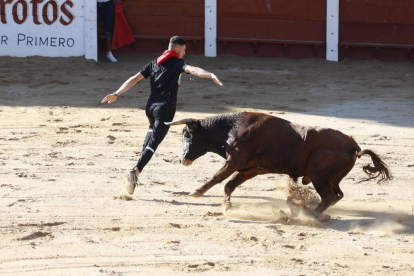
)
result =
(63, 159)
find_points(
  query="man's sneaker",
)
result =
(110, 57)
(131, 182)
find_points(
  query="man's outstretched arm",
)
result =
(199, 72)
(110, 98)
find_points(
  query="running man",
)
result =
(165, 75)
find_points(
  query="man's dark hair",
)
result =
(176, 40)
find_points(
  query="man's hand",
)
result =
(216, 80)
(109, 98)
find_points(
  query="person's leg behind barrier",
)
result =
(108, 15)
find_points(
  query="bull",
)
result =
(257, 143)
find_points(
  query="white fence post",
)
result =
(332, 30)
(210, 28)
(91, 30)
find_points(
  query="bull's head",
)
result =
(194, 143)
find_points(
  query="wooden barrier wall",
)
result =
(372, 29)
(292, 28)
(368, 29)
(153, 22)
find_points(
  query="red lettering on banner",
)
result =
(24, 14)
(66, 12)
(34, 11)
(48, 18)
(46, 14)
(3, 4)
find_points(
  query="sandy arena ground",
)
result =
(63, 159)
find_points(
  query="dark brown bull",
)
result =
(256, 143)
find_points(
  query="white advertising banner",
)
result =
(52, 28)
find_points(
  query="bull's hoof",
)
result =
(196, 194)
(227, 205)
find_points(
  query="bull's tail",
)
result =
(379, 169)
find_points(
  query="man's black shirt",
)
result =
(165, 78)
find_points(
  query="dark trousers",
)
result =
(157, 113)
(106, 13)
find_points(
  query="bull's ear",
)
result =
(194, 125)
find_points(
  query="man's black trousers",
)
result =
(157, 113)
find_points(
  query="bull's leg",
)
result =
(328, 196)
(326, 169)
(339, 170)
(338, 194)
(235, 181)
(240, 177)
(222, 174)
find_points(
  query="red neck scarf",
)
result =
(166, 55)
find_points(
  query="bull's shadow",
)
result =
(179, 199)
(269, 210)
(276, 211)
(175, 202)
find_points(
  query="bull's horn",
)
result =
(179, 122)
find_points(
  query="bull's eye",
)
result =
(187, 135)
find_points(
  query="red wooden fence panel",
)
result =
(376, 29)
(153, 22)
(292, 28)
(276, 9)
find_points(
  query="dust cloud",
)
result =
(383, 227)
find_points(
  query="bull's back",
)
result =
(267, 141)
(281, 146)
